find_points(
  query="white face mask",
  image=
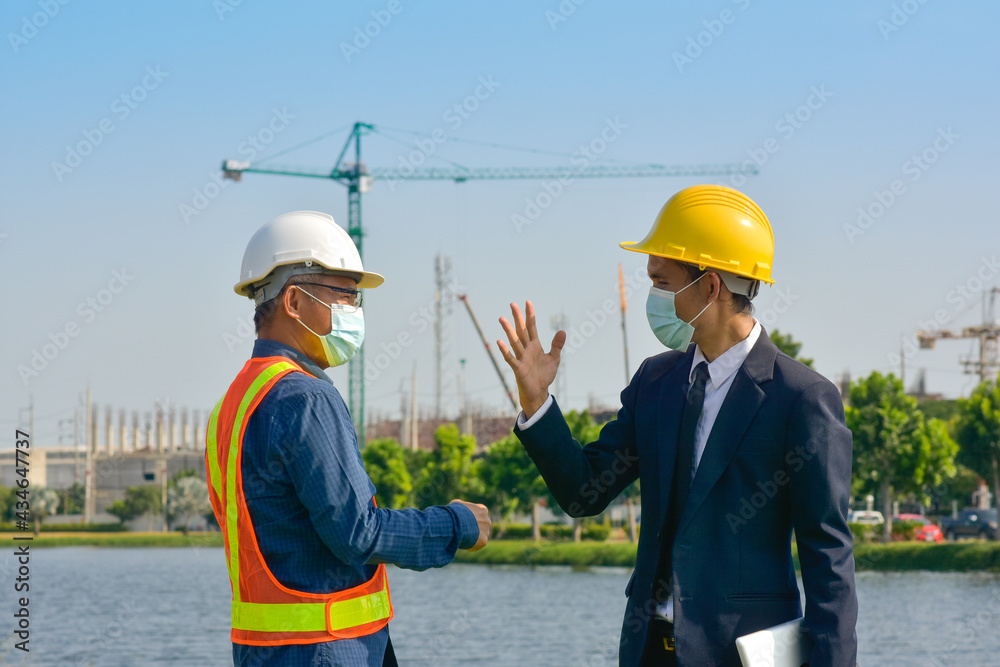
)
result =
(668, 328)
(347, 331)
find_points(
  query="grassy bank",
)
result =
(892, 557)
(136, 539)
(944, 557)
(528, 552)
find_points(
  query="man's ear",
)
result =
(716, 286)
(291, 302)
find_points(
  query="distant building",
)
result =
(60, 467)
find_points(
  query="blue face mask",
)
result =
(669, 329)
(347, 332)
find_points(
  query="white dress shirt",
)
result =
(721, 373)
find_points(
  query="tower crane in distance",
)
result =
(358, 179)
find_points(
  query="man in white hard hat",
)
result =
(736, 445)
(305, 543)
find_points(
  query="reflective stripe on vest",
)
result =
(264, 612)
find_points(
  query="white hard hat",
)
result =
(299, 242)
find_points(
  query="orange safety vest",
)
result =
(265, 613)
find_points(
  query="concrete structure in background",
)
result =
(486, 428)
(60, 467)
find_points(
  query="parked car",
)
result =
(866, 517)
(925, 532)
(971, 522)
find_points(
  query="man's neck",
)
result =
(714, 343)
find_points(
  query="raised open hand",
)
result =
(534, 368)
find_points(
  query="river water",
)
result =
(121, 606)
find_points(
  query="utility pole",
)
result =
(559, 322)
(902, 362)
(621, 291)
(414, 418)
(88, 480)
(442, 307)
(358, 179)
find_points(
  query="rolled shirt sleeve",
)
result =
(320, 453)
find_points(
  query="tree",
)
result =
(450, 471)
(895, 448)
(73, 499)
(44, 502)
(385, 463)
(511, 482)
(789, 346)
(584, 430)
(978, 432)
(139, 500)
(7, 499)
(187, 498)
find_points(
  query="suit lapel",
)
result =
(738, 409)
(670, 404)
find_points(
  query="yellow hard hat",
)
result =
(715, 227)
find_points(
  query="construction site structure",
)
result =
(358, 179)
(987, 364)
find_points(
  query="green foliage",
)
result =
(450, 471)
(560, 531)
(958, 488)
(138, 501)
(7, 499)
(789, 346)
(895, 448)
(510, 480)
(73, 499)
(584, 430)
(529, 552)
(187, 498)
(864, 533)
(944, 409)
(72, 528)
(978, 429)
(385, 462)
(181, 475)
(944, 557)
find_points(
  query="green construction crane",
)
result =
(359, 178)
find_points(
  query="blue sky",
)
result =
(832, 100)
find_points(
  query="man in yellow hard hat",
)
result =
(306, 546)
(736, 445)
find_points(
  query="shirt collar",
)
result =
(729, 361)
(264, 347)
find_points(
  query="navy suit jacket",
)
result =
(778, 459)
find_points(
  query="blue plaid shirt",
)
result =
(310, 502)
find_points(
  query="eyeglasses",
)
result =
(356, 296)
